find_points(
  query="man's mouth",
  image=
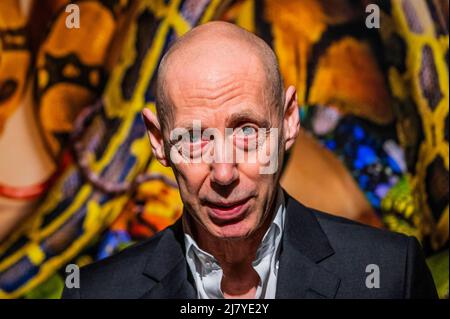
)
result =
(225, 212)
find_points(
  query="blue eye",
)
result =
(194, 138)
(246, 137)
(248, 130)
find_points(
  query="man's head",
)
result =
(226, 78)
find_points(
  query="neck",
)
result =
(235, 251)
(235, 256)
(232, 252)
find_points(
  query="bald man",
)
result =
(223, 124)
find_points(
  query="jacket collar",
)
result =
(167, 267)
(304, 246)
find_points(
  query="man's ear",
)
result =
(291, 124)
(155, 135)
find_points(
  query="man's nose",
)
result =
(224, 173)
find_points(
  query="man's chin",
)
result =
(232, 231)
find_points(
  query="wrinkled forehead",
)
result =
(204, 64)
(204, 76)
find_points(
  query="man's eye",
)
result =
(246, 131)
(194, 138)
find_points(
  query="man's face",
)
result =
(229, 199)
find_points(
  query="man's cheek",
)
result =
(257, 180)
(192, 176)
(251, 171)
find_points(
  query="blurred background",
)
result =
(78, 181)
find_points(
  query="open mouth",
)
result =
(228, 212)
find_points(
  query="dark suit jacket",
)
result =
(322, 256)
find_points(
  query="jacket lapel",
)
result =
(304, 246)
(168, 269)
(300, 275)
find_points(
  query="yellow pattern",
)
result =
(408, 85)
(99, 217)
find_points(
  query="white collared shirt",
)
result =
(207, 272)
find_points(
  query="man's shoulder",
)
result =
(111, 277)
(357, 245)
(343, 231)
(360, 250)
(344, 235)
(135, 254)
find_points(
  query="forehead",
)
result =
(205, 66)
(205, 83)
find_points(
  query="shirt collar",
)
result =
(268, 243)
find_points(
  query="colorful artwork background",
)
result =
(78, 182)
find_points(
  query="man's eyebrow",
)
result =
(188, 126)
(245, 117)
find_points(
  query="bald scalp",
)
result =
(224, 34)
